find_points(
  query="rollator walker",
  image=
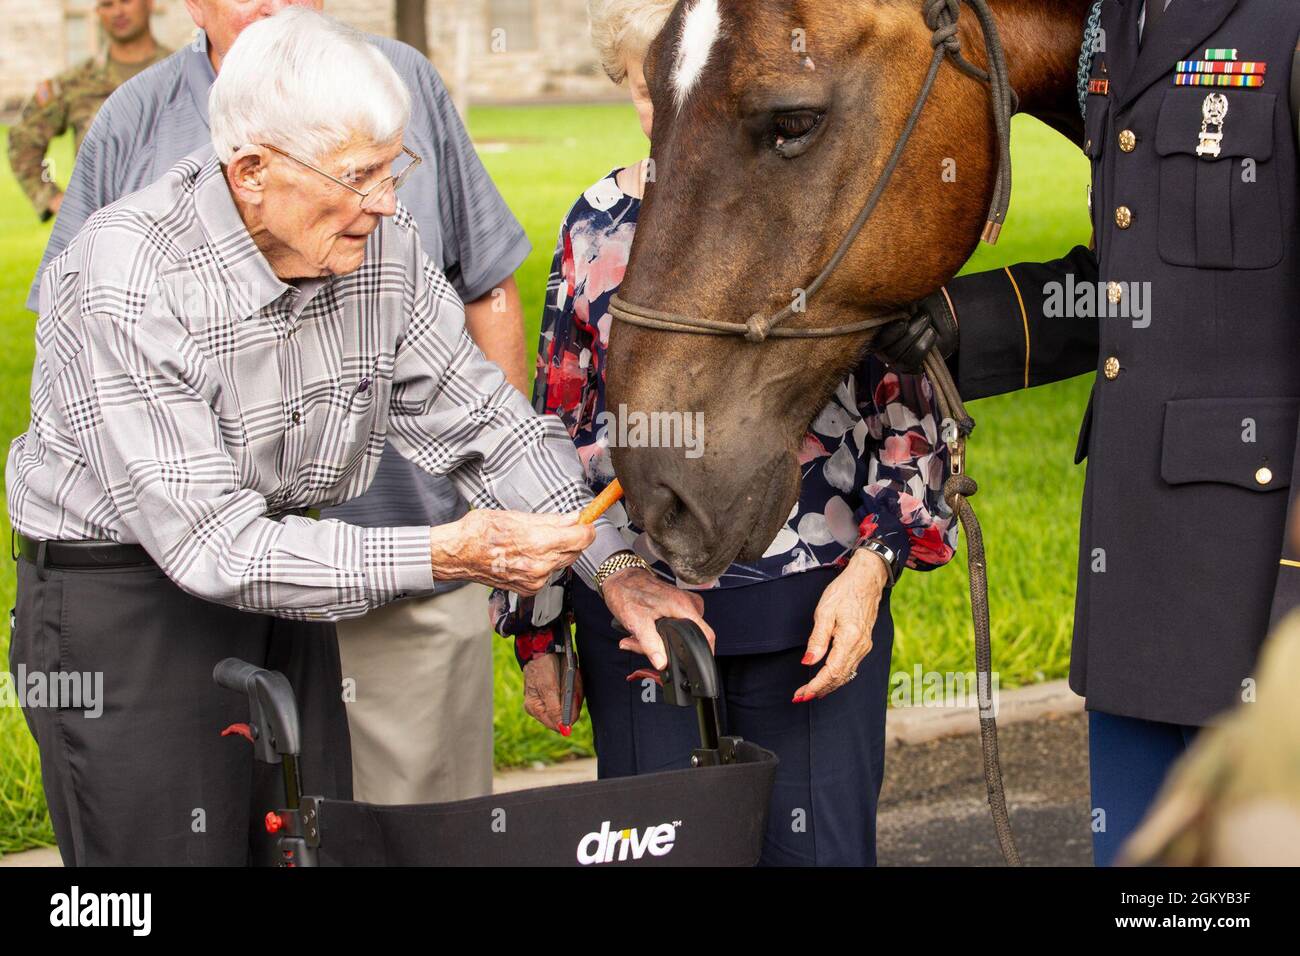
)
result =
(712, 814)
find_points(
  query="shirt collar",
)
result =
(199, 75)
(249, 282)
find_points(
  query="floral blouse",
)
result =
(872, 462)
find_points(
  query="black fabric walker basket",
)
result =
(713, 814)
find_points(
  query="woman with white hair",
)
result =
(871, 503)
(217, 355)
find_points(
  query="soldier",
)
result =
(1190, 433)
(73, 97)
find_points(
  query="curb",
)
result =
(918, 725)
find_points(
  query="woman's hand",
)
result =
(638, 598)
(543, 691)
(507, 549)
(845, 618)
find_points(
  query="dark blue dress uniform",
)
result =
(1191, 429)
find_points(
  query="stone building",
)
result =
(486, 50)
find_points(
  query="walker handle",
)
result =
(272, 709)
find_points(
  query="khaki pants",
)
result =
(418, 686)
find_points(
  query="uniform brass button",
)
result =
(1111, 368)
(1128, 141)
(1114, 292)
(1264, 476)
(1123, 217)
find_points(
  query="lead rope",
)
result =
(958, 489)
(941, 16)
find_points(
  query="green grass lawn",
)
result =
(542, 158)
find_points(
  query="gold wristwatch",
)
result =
(619, 561)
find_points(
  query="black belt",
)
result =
(74, 555)
(71, 555)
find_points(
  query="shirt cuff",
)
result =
(398, 562)
(608, 542)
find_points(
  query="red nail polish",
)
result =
(807, 659)
(566, 730)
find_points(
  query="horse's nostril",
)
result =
(668, 512)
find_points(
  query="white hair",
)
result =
(307, 84)
(620, 28)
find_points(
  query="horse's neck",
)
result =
(1042, 39)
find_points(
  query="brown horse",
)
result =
(773, 121)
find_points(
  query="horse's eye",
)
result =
(789, 128)
(795, 125)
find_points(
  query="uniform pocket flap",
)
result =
(1094, 125)
(1247, 126)
(1248, 442)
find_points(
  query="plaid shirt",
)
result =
(182, 392)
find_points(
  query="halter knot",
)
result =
(757, 328)
(941, 17)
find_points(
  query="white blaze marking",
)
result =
(700, 32)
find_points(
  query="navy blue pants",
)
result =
(832, 750)
(1128, 760)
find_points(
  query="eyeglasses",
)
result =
(376, 195)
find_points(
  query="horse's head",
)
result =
(773, 120)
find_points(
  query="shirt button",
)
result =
(296, 416)
(363, 385)
(1114, 292)
(1264, 476)
(1128, 141)
(1123, 217)
(1111, 368)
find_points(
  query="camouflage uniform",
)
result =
(69, 100)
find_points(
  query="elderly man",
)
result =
(216, 353)
(418, 663)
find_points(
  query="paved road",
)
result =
(934, 811)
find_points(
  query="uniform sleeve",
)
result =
(93, 185)
(453, 413)
(1009, 339)
(44, 116)
(141, 408)
(902, 502)
(483, 243)
(540, 625)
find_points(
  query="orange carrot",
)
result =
(602, 503)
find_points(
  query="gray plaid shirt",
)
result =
(182, 392)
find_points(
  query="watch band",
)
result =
(619, 561)
(893, 560)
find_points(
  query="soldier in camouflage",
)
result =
(71, 99)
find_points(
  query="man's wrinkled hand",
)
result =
(638, 598)
(507, 549)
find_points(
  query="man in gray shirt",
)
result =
(421, 663)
